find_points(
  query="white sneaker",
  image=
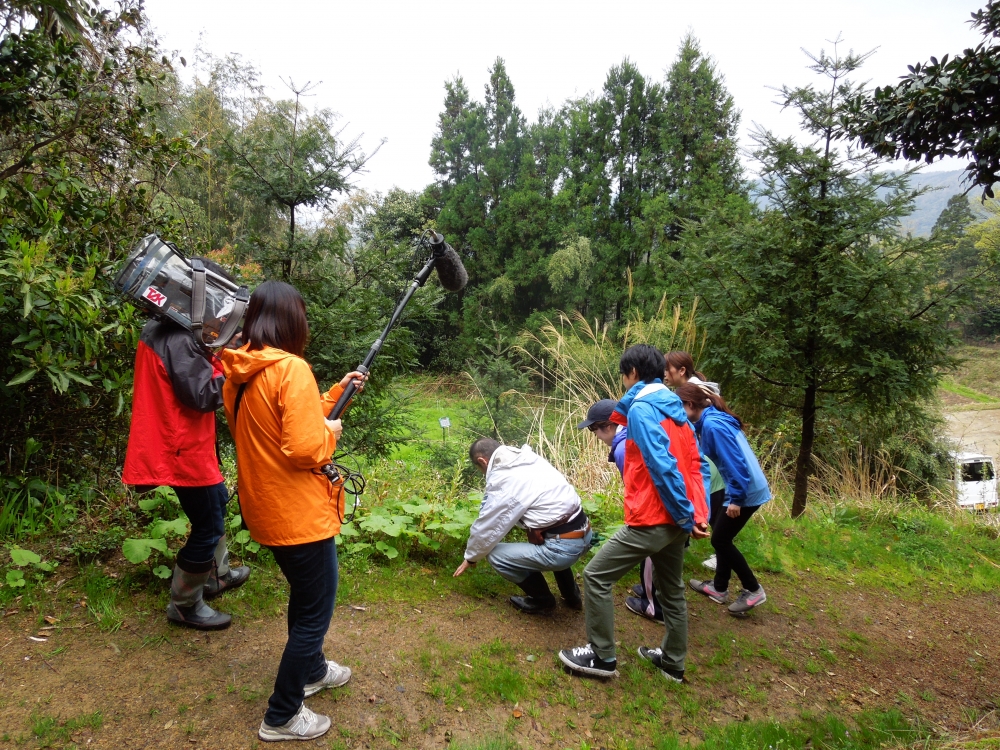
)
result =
(305, 725)
(711, 563)
(336, 676)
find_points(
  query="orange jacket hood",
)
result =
(281, 442)
(240, 365)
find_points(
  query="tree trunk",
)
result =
(287, 263)
(803, 464)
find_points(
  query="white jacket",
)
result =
(522, 489)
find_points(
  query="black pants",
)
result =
(205, 508)
(646, 566)
(728, 558)
(311, 572)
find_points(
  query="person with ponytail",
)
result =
(720, 433)
(680, 370)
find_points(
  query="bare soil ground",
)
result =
(976, 430)
(458, 668)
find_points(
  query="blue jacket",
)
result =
(665, 476)
(723, 441)
(617, 454)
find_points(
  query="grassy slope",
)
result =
(978, 377)
(901, 550)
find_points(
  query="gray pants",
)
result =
(516, 561)
(622, 552)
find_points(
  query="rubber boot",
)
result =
(187, 606)
(539, 599)
(568, 588)
(222, 577)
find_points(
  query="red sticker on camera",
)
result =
(155, 296)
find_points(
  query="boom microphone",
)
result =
(451, 272)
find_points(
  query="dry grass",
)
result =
(580, 359)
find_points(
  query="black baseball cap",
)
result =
(599, 412)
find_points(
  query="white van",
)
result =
(975, 481)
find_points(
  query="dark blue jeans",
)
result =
(206, 510)
(311, 572)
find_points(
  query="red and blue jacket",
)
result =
(665, 474)
(176, 391)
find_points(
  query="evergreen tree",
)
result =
(819, 305)
(699, 144)
(961, 255)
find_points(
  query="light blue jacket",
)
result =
(723, 441)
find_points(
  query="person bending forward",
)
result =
(665, 479)
(523, 489)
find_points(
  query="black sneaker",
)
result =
(654, 655)
(584, 660)
(639, 590)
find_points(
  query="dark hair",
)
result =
(689, 393)
(276, 316)
(483, 448)
(646, 360)
(680, 360)
(214, 267)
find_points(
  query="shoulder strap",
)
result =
(197, 298)
(239, 400)
(241, 299)
(239, 397)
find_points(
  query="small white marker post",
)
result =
(445, 424)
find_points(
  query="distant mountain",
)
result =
(943, 185)
(930, 205)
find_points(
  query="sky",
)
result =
(382, 64)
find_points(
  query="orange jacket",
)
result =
(281, 441)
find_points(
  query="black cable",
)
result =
(352, 481)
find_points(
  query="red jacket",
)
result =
(665, 475)
(176, 392)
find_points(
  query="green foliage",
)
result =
(25, 558)
(138, 550)
(566, 212)
(168, 520)
(936, 109)
(817, 304)
(80, 164)
(500, 381)
(395, 526)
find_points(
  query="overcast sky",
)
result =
(383, 63)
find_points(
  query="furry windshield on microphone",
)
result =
(451, 272)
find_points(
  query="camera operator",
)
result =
(176, 391)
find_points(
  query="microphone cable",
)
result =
(353, 483)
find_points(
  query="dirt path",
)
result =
(976, 430)
(438, 671)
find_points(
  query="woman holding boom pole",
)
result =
(277, 418)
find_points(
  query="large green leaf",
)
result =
(138, 550)
(162, 528)
(22, 557)
(23, 377)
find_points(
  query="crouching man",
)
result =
(523, 489)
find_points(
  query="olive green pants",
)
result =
(622, 552)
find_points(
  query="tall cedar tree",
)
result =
(818, 302)
(699, 143)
